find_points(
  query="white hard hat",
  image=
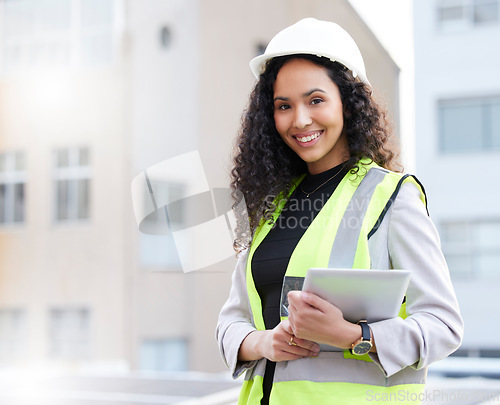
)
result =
(314, 37)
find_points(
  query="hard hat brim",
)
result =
(257, 64)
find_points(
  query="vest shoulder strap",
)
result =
(391, 200)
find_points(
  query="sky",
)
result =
(392, 22)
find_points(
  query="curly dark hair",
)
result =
(265, 167)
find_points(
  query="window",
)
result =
(72, 184)
(69, 333)
(158, 252)
(164, 355)
(96, 34)
(12, 187)
(56, 33)
(157, 246)
(469, 125)
(453, 14)
(485, 11)
(472, 248)
(12, 333)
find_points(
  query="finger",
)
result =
(306, 344)
(285, 347)
(303, 299)
(294, 303)
(314, 301)
(293, 298)
(300, 351)
(291, 322)
(285, 325)
(285, 334)
(292, 342)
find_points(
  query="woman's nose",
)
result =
(301, 118)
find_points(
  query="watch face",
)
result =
(362, 348)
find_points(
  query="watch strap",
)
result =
(365, 331)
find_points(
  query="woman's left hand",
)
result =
(316, 319)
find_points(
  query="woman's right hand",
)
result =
(275, 345)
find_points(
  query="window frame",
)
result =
(10, 177)
(60, 340)
(489, 143)
(160, 345)
(469, 12)
(73, 173)
(469, 249)
(13, 333)
(69, 41)
(159, 238)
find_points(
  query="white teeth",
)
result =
(308, 138)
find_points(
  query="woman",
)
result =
(313, 166)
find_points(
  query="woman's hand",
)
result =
(316, 319)
(278, 344)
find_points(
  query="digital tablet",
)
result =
(372, 295)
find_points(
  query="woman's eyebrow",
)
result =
(281, 98)
(306, 94)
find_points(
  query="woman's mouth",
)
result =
(309, 137)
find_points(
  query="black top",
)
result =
(271, 257)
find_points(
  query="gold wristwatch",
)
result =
(364, 344)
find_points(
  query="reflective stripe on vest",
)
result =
(338, 393)
(344, 245)
(327, 379)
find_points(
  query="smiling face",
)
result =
(308, 115)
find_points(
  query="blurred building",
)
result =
(458, 151)
(92, 92)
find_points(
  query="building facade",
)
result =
(93, 92)
(458, 151)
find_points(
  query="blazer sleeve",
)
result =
(434, 327)
(235, 320)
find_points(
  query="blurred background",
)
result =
(93, 92)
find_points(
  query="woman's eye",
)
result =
(283, 107)
(316, 101)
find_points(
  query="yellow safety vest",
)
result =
(337, 238)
